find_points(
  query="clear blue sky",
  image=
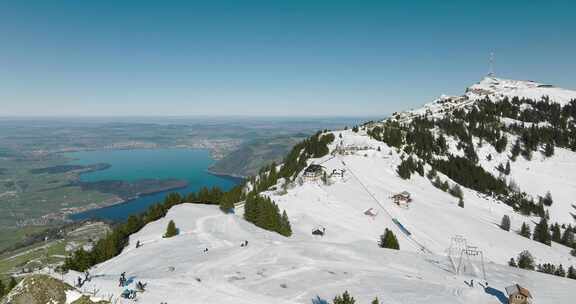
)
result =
(246, 57)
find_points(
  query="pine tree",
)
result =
(456, 191)
(389, 240)
(227, 203)
(525, 260)
(516, 149)
(171, 230)
(505, 223)
(542, 232)
(571, 273)
(549, 149)
(507, 169)
(525, 230)
(568, 237)
(547, 199)
(12, 284)
(375, 301)
(325, 178)
(556, 233)
(346, 298)
(512, 263)
(285, 224)
(2, 289)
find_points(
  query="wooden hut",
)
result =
(402, 199)
(518, 295)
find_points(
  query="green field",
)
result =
(26, 197)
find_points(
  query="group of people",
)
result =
(86, 279)
(130, 293)
(244, 244)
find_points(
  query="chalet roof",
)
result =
(313, 168)
(515, 289)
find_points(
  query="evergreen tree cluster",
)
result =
(388, 240)
(525, 260)
(521, 202)
(346, 298)
(409, 166)
(313, 147)
(6, 288)
(264, 213)
(468, 174)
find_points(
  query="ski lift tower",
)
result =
(466, 259)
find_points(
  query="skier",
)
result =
(79, 282)
(138, 244)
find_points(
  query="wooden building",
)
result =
(518, 295)
(313, 172)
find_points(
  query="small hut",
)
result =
(313, 172)
(319, 231)
(402, 199)
(518, 295)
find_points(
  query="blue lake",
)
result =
(131, 165)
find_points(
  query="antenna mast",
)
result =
(491, 68)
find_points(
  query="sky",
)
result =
(269, 58)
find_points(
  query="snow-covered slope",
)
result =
(297, 269)
(300, 268)
(500, 88)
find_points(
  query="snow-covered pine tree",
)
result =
(505, 223)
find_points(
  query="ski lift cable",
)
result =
(409, 238)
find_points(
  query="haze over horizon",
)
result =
(268, 58)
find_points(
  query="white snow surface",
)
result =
(499, 88)
(302, 267)
(297, 269)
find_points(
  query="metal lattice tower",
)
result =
(464, 257)
(491, 67)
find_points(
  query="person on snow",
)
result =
(138, 244)
(79, 282)
(140, 286)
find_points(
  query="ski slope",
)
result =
(291, 270)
